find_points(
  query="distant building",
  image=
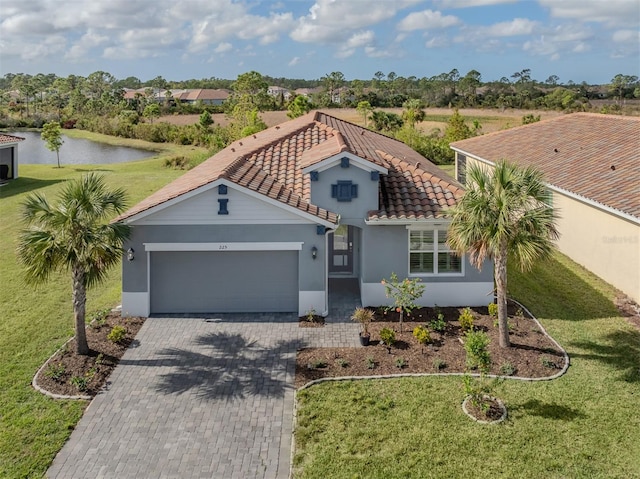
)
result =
(207, 96)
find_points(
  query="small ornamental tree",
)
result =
(205, 120)
(404, 293)
(52, 135)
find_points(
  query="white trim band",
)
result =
(229, 246)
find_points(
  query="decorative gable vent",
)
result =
(344, 162)
(315, 176)
(222, 189)
(344, 191)
(375, 175)
(222, 206)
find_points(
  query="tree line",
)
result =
(97, 103)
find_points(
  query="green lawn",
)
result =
(34, 323)
(583, 425)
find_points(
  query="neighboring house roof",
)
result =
(206, 94)
(191, 94)
(271, 163)
(4, 138)
(594, 156)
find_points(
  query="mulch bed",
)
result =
(532, 353)
(316, 321)
(92, 371)
(493, 411)
(628, 309)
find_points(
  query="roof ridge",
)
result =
(562, 117)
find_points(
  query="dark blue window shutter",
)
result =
(315, 176)
(344, 162)
(334, 191)
(375, 175)
(354, 191)
(222, 210)
(222, 189)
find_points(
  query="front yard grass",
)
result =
(35, 322)
(582, 425)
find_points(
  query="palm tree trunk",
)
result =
(501, 296)
(79, 302)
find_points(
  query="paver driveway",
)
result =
(198, 398)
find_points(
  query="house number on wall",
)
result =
(223, 246)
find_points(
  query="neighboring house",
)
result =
(591, 163)
(265, 223)
(9, 156)
(275, 91)
(207, 96)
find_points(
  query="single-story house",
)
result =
(591, 163)
(263, 225)
(9, 156)
(208, 96)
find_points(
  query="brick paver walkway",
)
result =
(198, 398)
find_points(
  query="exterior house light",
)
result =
(314, 252)
(130, 255)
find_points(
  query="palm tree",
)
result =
(74, 236)
(503, 211)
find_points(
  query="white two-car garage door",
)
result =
(223, 282)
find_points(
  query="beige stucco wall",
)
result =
(602, 242)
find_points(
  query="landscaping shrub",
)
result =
(117, 334)
(177, 163)
(493, 310)
(507, 369)
(466, 319)
(388, 337)
(55, 371)
(422, 335)
(439, 364)
(476, 345)
(438, 324)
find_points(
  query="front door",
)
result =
(341, 250)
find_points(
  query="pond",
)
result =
(74, 151)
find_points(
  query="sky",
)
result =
(577, 40)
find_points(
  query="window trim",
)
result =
(435, 250)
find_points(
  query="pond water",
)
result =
(74, 151)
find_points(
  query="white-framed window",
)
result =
(429, 254)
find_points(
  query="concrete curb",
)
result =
(480, 421)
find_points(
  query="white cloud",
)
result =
(515, 27)
(334, 21)
(626, 36)
(427, 20)
(223, 47)
(471, 3)
(561, 39)
(437, 42)
(294, 61)
(85, 44)
(610, 12)
(357, 40)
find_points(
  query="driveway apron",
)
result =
(198, 398)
